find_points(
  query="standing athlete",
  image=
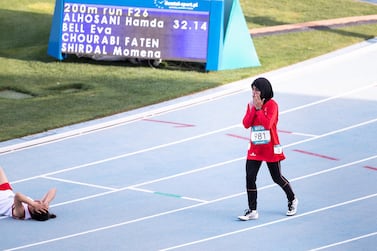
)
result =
(262, 117)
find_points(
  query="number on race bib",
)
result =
(260, 136)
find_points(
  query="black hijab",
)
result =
(265, 87)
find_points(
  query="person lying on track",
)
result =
(21, 207)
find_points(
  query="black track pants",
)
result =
(252, 169)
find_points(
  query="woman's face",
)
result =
(256, 91)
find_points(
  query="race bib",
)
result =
(260, 136)
(278, 149)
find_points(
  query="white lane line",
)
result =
(345, 241)
(80, 183)
(194, 199)
(333, 132)
(335, 168)
(329, 98)
(86, 198)
(271, 222)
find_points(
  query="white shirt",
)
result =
(6, 204)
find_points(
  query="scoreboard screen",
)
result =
(213, 32)
(134, 32)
